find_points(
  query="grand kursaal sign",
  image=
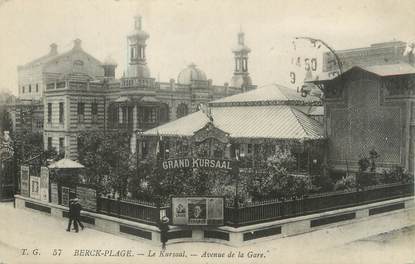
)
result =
(197, 211)
(182, 163)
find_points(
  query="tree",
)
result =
(107, 159)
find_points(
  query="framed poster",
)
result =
(87, 198)
(35, 187)
(24, 180)
(65, 196)
(44, 184)
(54, 193)
(197, 211)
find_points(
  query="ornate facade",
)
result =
(78, 93)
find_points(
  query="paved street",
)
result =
(360, 242)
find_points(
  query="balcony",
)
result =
(141, 83)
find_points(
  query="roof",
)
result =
(66, 164)
(268, 94)
(272, 122)
(380, 70)
(191, 73)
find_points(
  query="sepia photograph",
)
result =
(207, 131)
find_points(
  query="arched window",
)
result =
(164, 113)
(182, 110)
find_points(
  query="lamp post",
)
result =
(139, 134)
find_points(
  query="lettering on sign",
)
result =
(196, 163)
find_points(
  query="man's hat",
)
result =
(165, 219)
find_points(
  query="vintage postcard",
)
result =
(207, 131)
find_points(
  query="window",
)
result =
(61, 112)
(150, 115)
(61, 145)
(94, 112)
(182, 110)
(81, 112)
(30, 88)
(39, 123)
(49, 113)
(22, 89)
(133, 51)
(49, 143)
(37, 88)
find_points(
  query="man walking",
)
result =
(72, 216)
(77, 214)
(164, 228)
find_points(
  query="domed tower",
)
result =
(136, 40)
(191, 74)
(240, 76)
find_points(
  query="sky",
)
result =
(196, 31)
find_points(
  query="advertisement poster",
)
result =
(24, 180)
(44, 184)
(54, 195)
(65, 196)
(87, 198)
(197, 211)
(35, 187)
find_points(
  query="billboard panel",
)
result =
(44, 184)
(197, 211)
(35, 187)
(24, 180)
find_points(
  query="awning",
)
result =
(66, 164)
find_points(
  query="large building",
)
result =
(76, 92)
(371, 106)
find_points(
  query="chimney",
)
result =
(77, 44)
(53, 49)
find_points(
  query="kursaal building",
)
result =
(368, 104)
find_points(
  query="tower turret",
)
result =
(240, 76)
(136, 40)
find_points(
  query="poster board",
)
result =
(35, 187)
(44, 184)
(65, 196)
(24, 180)
(87, 198)
(197, 211)
(54, 193)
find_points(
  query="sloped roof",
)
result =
(268, 94)
(272, 122)
(380, 70)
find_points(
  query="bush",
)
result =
(347, 183)
(395, 174)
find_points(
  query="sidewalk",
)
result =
(31, 230)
